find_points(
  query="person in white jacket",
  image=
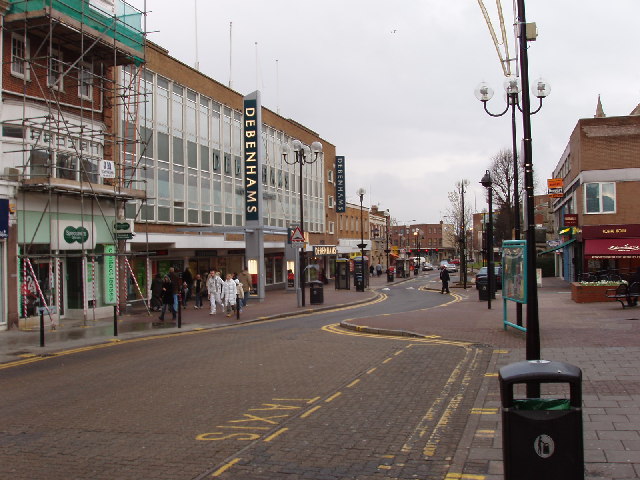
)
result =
(229, 294)
(214, 289)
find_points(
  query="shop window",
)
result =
(66, 166)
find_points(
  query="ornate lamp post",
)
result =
(488, 184)
(303, 155)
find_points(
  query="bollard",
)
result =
(238, 307)
(179, 311)
(115, 321)
(42, 328)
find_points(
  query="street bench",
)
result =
(626, 294)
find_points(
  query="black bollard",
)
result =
(238, 307)
(115, 320)
(42, 328)
(179, 311)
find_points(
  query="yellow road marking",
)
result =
(369, 372)
(384, 467)
(387, 360)
(225, 467)
(310, 411)
(276, 434)
(333, 397)
(354, 383)
(484, 411)
(463, 476)
(397, 353)
(501, 351)
(490, 374)
(485, 433)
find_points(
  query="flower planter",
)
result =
(590, 293)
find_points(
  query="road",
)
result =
(296, 398)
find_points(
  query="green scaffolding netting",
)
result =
(122, 24)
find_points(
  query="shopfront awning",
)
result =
(562, 245)
(612, 248)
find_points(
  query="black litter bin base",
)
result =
(542, 438)
(316, 293)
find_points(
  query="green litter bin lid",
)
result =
(541, 404)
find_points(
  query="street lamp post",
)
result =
(387, 250)
(360, 286)
(303, 155)
(488, 184)
(484, 93)
(463, 233)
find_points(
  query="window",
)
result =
(330, 176)
(54, 74)
(330, 201)
(19, 55)
(600, 197)
(85, 82)
(331, 228)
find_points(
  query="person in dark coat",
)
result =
(167, 298)
(176, 285)
(444, 277)
(156, 293)
(635, 278)
(187, 279)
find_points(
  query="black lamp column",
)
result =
(303, 155)
(487, 183)
(360, 287)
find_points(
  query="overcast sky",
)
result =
(391, 83)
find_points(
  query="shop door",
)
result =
(74, 283)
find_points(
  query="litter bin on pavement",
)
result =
(542, 437)
(483, 289)
(389, 275)
(316, 292)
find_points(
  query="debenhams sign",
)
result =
(319, 250)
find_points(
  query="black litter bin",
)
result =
(316, 292)
(482, 284)
(389, 275)
(542, 437)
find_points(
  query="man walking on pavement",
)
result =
(229, 294)
(177, 287)
(444, 276)
(245, 279)
(214, 289)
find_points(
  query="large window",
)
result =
(600, 197)
(54, 75)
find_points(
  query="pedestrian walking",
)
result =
(240, 296)
(379, 269)
(177, 285)
(214, 290)
(444, 277)
(198, 288)
(187, 279)
(229, 294)
(245, 279)
(167, 298)
(156, 293)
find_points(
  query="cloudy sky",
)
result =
(391, 83)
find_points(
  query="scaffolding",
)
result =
(72, 141)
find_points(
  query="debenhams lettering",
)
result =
(325, 250)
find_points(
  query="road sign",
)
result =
(297, 236)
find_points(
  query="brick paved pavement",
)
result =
(601, 339)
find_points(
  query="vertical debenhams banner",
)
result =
(252, 139)
(341, 198)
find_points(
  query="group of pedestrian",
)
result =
(231, 293)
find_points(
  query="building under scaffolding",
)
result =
(68, 166)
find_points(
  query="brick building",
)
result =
(600, 168)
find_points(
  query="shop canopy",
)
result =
(558, 247)
(612, 248)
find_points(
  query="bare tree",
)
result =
(503, 177)
(457, 218)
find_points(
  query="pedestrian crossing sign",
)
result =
(296, 236)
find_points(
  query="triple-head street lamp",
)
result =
(541, 89)
(303, 155)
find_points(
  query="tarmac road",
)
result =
(292, 398)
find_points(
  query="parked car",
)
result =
(451, 268)
(427, 267)
(482, 273)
